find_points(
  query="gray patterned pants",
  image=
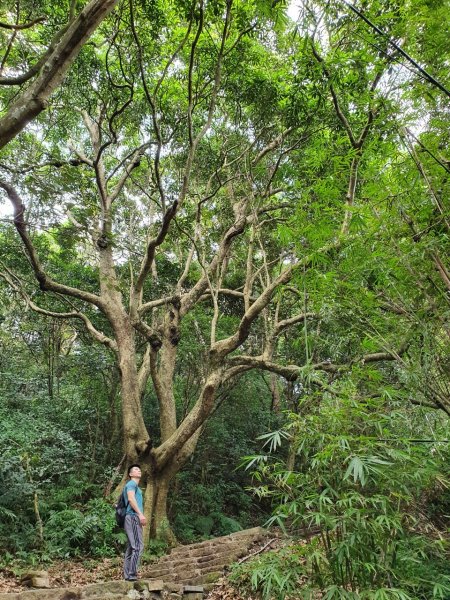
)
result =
(133, 529)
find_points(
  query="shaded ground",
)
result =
(69, 573)
(78, 573)
(224, 591)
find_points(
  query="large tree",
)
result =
(206, 161)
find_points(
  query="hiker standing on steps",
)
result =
(134, 522)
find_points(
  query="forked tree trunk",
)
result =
(157, 472)
(157, 494)
(134, 430)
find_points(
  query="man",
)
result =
(134, 522)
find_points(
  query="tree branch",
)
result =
(243, 363)
(134, 162)
(228, 345)
(337, 106)
(21, 26)
(282, 325)
(95, 333)
(145, 370)
(151, 248)
(34, 99)
(189, 299)
(45, 282)
(272, 146)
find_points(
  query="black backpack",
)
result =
(121, 510)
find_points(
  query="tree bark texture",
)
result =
(155, 510)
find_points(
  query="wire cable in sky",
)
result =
(429, 77)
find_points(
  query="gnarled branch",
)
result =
(45, 281)
(74, 314)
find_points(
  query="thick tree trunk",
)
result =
(157, 493)
(136, 438)
(178, 440)
(158, 488)
(276, 401)
(155, 510)
(112, 435)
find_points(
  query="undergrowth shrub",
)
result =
(36, 458)
(192, 528)
(91, 531)
(360, 484)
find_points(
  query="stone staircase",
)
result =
(187, 573)
(204, 562)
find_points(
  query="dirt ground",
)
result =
(78, 573)
(81, 572)
(68, 573)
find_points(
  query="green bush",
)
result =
(277, 573)
(224, 525)
(363, 485)
(192, 528)
(37, 457)
(92, 531)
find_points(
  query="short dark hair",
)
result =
(132, 467)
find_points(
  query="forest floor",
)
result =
(65, 573)
(78, 573)
(83, 571)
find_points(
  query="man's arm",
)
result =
(134, 505)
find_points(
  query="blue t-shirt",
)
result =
(133, 486)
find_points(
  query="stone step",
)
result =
(195, 562)
(235, 549)
(197, 556)
(157, 573)
(224, 559)
(111, 590)
(181, 566)
(184, 570)
(194, 574)
(246, 534)
(204, 580)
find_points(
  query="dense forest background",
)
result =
(225, 248)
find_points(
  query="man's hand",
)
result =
(135, 507)
(142, 520)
